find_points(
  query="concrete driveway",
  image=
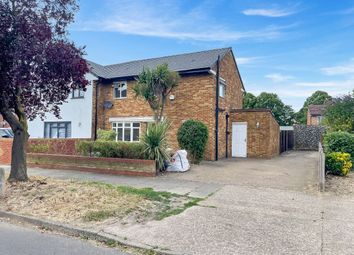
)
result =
(295, 170)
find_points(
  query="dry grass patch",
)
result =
(90, 203)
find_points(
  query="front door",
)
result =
(239, 139)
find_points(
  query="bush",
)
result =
(155, 143)
(109, 149)
(338, 163)
(339, 142)
(106, 135)
(38, 148)
(193, 136)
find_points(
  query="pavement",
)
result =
(16, 240)
(251, 206)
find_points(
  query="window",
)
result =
(119, 90)
(127, 131)
(222, 87)
(77, 93)
(57, 129)
(319, 119)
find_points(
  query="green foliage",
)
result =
(339, 114)
(106, 135)
(155, 142)
(193, 136)
(249, 101)
(38, 147)
(154, 86)
(317, 98)
(339, 142)
(284, 114)
(338, 163)
(109, 149)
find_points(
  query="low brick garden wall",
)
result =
(61, 154)
(133, 167)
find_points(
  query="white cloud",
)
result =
(274, 13)
(340, 69)
(171, 21)
(277, 77)
(246, 60)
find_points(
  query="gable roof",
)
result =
(316, 110)
(188, 62)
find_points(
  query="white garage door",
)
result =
(239, 139)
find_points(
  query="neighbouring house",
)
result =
(210, 90)
(3, 123)
(315, 114)
(75, 113)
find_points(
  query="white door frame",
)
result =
(236, 153)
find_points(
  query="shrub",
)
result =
(338, 163)
(106, 135)
(109, 149)
(340, 142)
(38, 148)
(155, 142)
(193, 136)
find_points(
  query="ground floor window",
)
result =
(57, 129)
(127, 131)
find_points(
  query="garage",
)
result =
(255, 133)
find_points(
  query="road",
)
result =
(23, 241)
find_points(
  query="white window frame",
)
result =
(122, 125)
(222, 84)
(119, 85)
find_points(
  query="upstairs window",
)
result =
(77, 93)
(120, 90)
(222, 88)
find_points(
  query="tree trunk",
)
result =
(20, 129)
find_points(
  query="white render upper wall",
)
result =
(77, 111)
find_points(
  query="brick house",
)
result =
(315, 114)
(210, 90)
(3, 123)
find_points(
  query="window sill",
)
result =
(120, 98)
(78, 98)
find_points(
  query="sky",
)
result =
(291, 48)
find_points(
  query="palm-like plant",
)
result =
(155, 142)
(154, 86)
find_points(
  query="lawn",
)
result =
(91, 204)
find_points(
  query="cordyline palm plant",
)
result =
(155, 142)
(154, 86)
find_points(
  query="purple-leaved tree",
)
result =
(39, 66)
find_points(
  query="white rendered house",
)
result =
(76, 117)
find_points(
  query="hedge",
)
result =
(339, 142)
(338, 163)
(109, 149)
(193, 136)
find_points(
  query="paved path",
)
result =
(256, 207)
(15, 240)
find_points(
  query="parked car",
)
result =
(6, 133)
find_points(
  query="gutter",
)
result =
(217, 109)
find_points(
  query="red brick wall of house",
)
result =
(262, 141)
(5, 151)
(194, 99)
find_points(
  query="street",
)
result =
(15, 240)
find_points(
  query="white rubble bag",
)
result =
(179, 162)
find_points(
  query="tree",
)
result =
(249, 100)
(38, 66)
(339, 113)
(317, 98)
(154, 86)
(284, 114)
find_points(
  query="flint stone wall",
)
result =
(308, 137)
